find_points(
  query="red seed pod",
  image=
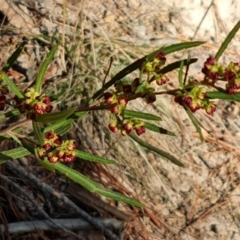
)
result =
(60, 154)
(52, 159)
(50, 135)
(115, 108)
(128, 127)
(123, 101)
(229, 76)
(47, 146)
(113, 127)
(140, 130)
(58, 140)
(71, 146)
(46, 100)
(161, 57)
(49, 108)
(210, 110)
(108, 97)
(39, 108)
(69, 158)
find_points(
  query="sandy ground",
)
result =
(200, 201)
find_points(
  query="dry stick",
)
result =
(40, 210)
(46, 225)
(63, 198)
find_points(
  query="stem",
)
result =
(13, 126)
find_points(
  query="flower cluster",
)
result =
(33, 104)
(126, 91)
(57, 150)
(231, 74)
(156, 64)
(127, 126)
(196, 99)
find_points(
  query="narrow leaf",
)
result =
(55, 117)
(156, 150)
(43, 68)
(195, 122)
(228, 39)
(37, 133)
(119, 197)
(13, 154)
(76, 176)
(57, 125)
(180, 46)
(14, 89)
(223, 96)
(93, 158)
(157, 129)
(14, 57)
(136, 114)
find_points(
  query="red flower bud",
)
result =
(50, 135)
(113, 127)
(46, 100)
(140, 130)
(108, 97)
(128, 127)
(114, 108)
(52, 159)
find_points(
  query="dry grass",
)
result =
(180, 203)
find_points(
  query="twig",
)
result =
(51, 223)
(13, 126)
(63, 198)
(46, 225)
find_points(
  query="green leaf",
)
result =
(92, 186)
(157, 129)
(156, 150)
(119, 197)
(224, 96)
(14, 153)
(228, 39)
(141, 115)
(180, 46)
(43, 68)
(14, 57)
(12, 113)
(55, 117)
(60, 128)
(13, 88)
(195, 122)
(76, 176)
(93, 158)
(38, 133)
